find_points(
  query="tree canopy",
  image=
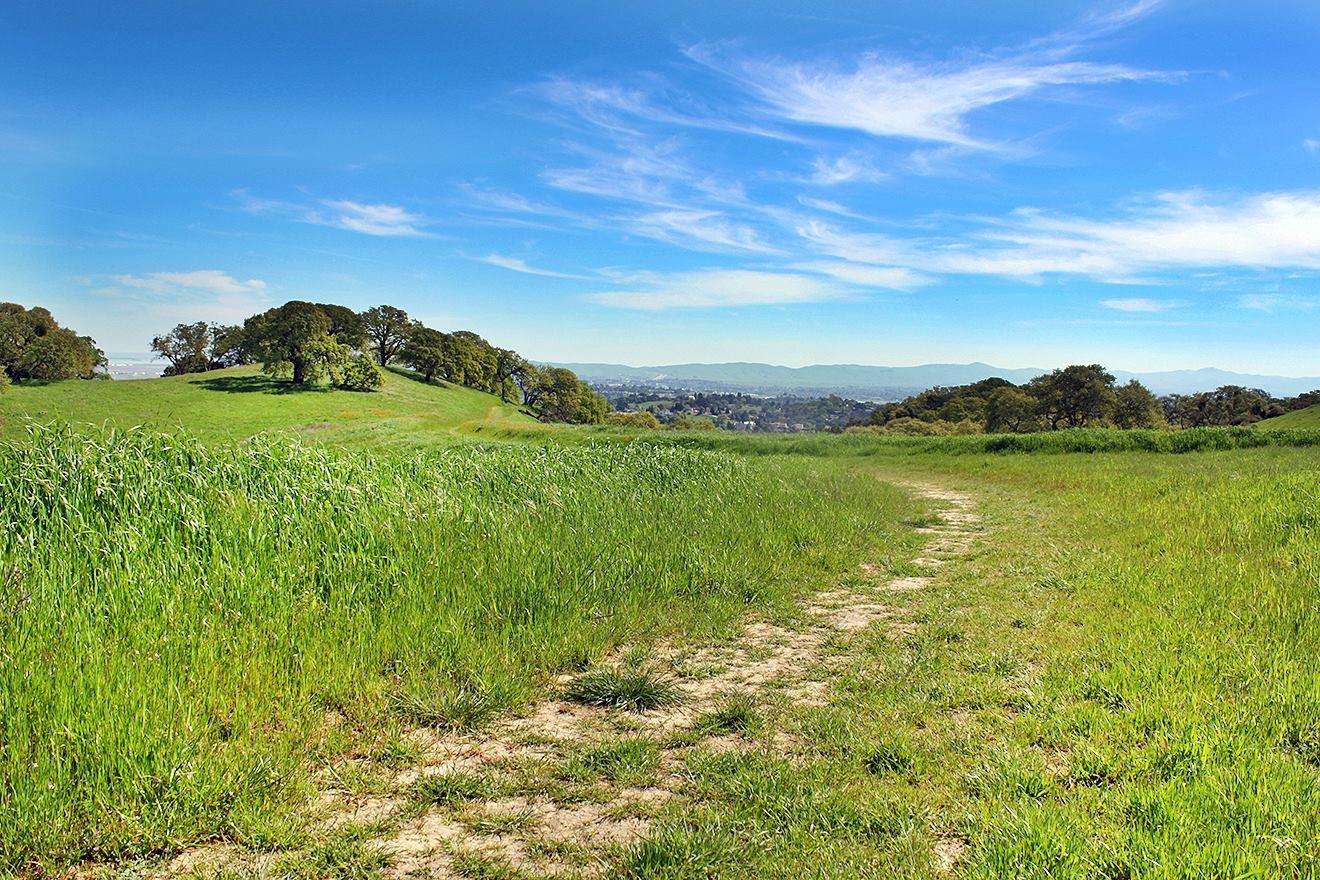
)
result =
(387, 329)
(198, 347)
(34, 346)
(1077, 396)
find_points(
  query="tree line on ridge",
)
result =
(310, 343)
(1077, 396)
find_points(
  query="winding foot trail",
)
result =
(560, 790)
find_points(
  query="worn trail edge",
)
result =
(563, 789)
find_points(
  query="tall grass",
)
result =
(176, 620)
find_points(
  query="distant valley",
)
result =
(879, 383)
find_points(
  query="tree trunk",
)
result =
(299, 372)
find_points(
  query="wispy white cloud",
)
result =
(851, 167)
(511, 203)
(206, 280)
(1175, 231)
(370, 219)
(1141, 304)
(860, 275)
(893, 97)
(1273, 302)
(378, 219)
(702, 228)
(514, 264)
(625, 110)
(719, 288)
(831, 207)
(1312, 146)
(1105, 20)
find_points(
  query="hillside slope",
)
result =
(239, 402)
(1308, 418)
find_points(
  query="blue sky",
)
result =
(1028, 184)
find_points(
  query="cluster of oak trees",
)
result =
(1078, 396)
(310, 343)
(1072, 397)
(33, 346)
(1231, 405)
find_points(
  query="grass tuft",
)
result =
(889, 758)
(735, 713)
(636, 690)
(462, 709)
(445, 789)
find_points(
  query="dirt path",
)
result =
(557, 791)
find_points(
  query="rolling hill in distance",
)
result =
(894, 383)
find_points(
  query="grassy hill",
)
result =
(1303, 419)
(235, 404)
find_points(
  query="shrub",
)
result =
(361, 374)
(693, 423)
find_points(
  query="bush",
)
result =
(361, 374)
(693, 423)
(642, 419)
(4, 380)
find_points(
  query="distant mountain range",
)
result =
(894, 383)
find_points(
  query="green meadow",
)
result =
(1118, 679)
(237, 403)
(1302, 419)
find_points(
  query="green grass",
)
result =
(237, 403)
(178, 618)
(1298, 420)
(1119, 681)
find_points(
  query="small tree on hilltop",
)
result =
(227, 348)
(508, 364)
(287, 338)
(1136, 407)
(592, 408)
(1074, 396)
(34, 346)
(187, 347)
(528, 380)
(424, 351)
(1010, 409)
(387, 329)
(556, 395)
(198, 347)
(345, 325)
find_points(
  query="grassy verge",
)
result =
(187, 629)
